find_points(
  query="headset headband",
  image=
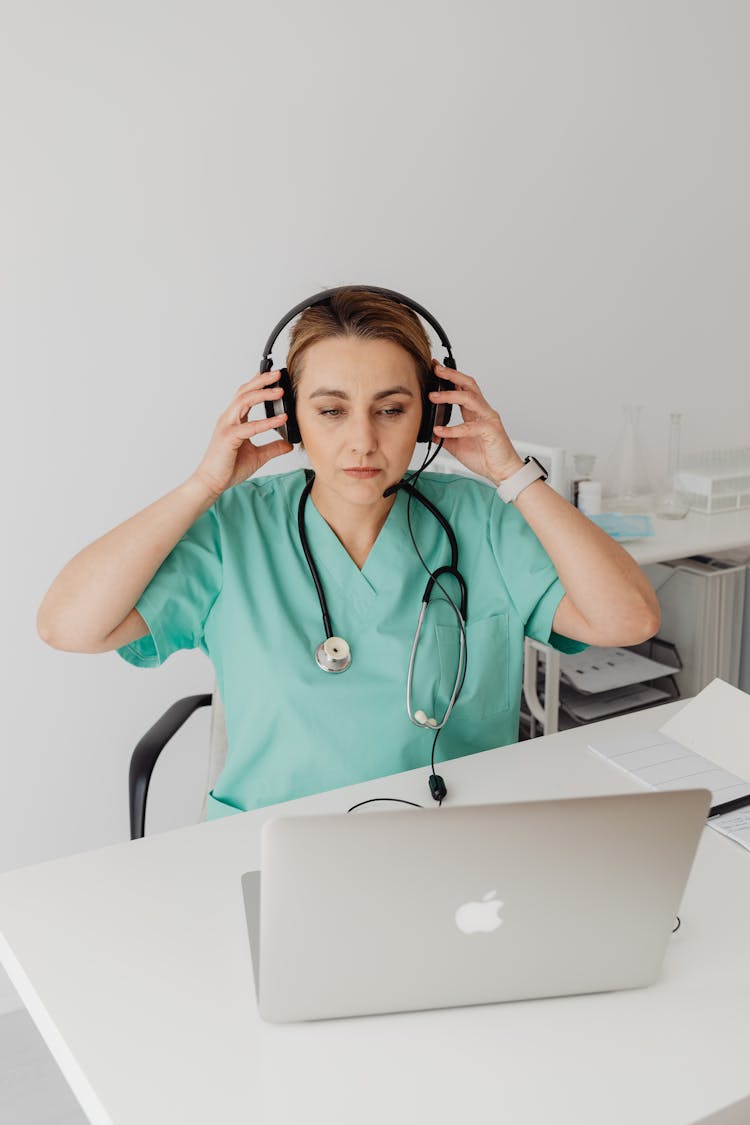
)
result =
(319, 298)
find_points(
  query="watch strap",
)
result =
(512, 486)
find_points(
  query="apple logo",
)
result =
(480, 917)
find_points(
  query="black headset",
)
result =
(433, 414)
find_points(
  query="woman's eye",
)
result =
(337, 412)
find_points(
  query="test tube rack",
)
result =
(716, 480)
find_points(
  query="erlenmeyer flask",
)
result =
(627, 484)
(671, 503)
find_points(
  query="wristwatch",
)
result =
(532, 470)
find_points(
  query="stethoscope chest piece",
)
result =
(333, 655)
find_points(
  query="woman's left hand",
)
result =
(480, 441)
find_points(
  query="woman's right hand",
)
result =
(231, 456)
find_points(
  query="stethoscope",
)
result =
(334, 654)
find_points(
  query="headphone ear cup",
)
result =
(433, 414)
(285, 405)
(289, 405)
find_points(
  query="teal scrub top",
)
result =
(237, 585)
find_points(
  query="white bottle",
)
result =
(590, 497)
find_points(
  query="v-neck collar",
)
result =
(335, 563)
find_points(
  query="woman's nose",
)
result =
(362, 435)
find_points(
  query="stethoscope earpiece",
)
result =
(333, 655)
(422, 720)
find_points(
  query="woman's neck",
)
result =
(356, 526)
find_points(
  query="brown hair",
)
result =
(366, 315)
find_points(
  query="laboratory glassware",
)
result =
(627, 484)
(672, 503)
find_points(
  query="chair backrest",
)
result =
(217, 745)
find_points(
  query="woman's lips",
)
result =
(362, 474)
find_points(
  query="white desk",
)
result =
(134, 963)
(697, 534)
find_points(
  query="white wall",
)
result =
(563, 183)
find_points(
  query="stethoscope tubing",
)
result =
(434, 576)
(459, 673)
(308, 555)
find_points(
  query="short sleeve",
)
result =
(177, 601)
(529, 574)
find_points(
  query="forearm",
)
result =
(608, 597)
(606, 586)
(101, 584)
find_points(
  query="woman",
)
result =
(218, 563)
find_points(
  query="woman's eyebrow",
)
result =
(330, 392)
(394, 391)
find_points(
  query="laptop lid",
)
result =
(403, 910)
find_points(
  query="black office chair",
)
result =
(149, 748)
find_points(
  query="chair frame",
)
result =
(147, 752)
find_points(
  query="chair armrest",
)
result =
(148, 750)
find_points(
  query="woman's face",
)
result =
(359, 406)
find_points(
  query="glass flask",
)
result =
(671, 503)
(627, 484)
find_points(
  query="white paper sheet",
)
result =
(662, 763)
(735, 825)
(589, 708)
(601, 669)
(716, 723)
(659, 762)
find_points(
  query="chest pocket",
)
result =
(486, 687)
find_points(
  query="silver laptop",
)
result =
(400, 910)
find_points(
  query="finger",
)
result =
(241, 406)
(473, 399)
(245, 403)
(274, 449)
(460, 378)
(464, 429)
(260, 379)
(250, 429)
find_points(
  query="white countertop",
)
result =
(697, 534)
